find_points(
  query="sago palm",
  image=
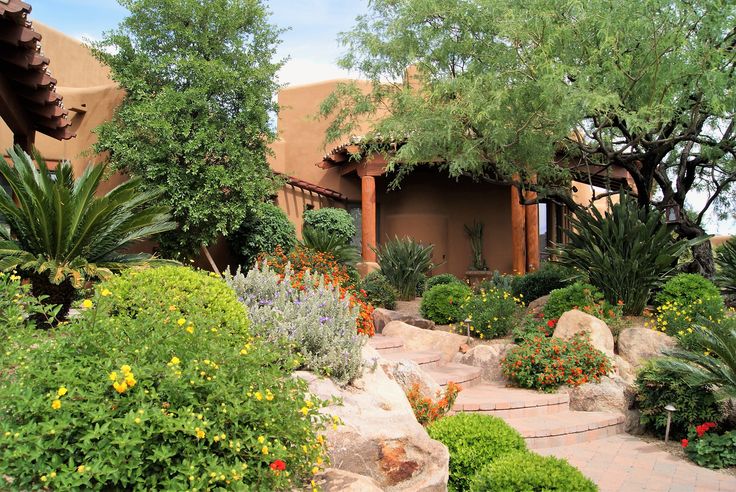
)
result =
(60, 234)
(711, 362)
(318, 240)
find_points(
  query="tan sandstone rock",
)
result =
(611, 394)
(488, 358)
(575, 321)
(537, 305)
(334, 480)
(415, 339)
(637, 344)
(381, 438)
(407, 373)
(382, 317)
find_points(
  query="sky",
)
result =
(309, 45)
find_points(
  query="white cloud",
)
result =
(306, 71)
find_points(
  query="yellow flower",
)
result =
(113, 376)
(172, 308)
(81, 468)
(87, 304)
(43, 478)
(137, 420)
(264, 450)
(304, 410)
(130, 380)
(105, 293)
(56, 404)
(190, 329)
(125, 368)
(120, 387)
(52, 474)
(199, 433)
(174, 361)
(181, 321)
(258, 396)
(62, 391)
(261, 439)
(315, 470)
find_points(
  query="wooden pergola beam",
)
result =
(14, 115)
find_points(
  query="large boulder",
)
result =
(488, 358)
(537, 305)
(382, 317)
(407, 373)
(623, 369)
(612, 394)
(334, 480)
(380, 438)
(416, 339)
(573, 322)
(637, 344)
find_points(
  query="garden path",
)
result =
(592, 441)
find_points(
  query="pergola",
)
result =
(29, 102)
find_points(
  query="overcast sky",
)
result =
(310, 44)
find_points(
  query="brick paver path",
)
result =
(624, 463)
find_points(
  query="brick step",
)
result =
(462, 374)
(426, 359)
(510, 402)
(566, 428)
(384, 344)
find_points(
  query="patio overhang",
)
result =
(29, 102)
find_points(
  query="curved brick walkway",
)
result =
(624, 463)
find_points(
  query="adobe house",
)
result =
(429, 207)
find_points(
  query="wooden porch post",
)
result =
(368, 217)
(532, 233)
(518, 239)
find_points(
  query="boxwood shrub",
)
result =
(529, 471)
(379, 291)
(333, 221)
(536, 284)
(473, 441)
(443, 303)
(157, 385)
(442, 278)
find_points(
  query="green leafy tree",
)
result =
(535, 93)
(199, 79)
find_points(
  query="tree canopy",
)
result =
(200, 79)
(523, 91)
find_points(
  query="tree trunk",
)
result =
(703, 262)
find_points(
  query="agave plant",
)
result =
(60, 234)
(726, 261)
(406, 264)
(625, 253)
(711, 362)
(324, 242)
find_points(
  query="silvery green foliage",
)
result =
(317, 322)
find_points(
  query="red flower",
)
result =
(278, 465)
(551, 323)
(684, 443)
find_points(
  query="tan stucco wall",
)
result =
(89, 95)
(432, 208)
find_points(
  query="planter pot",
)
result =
(474, 277)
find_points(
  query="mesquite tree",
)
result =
(199, 80)
(535, 93)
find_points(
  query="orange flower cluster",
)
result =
(303, 259)
(427, 410)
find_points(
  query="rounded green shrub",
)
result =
(493, 313)
(379, 291)
(443, 303)
(529, 471)
(538, 283)
(441, 279)
(333, 221)
(266, 228)
(695, 292)
(473, 441)
(583, 297)
(657, 387)
(157, 385)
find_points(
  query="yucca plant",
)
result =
(325, 242)
(60, 234)
(405, 263)
(726, 261)
(711, 360)
(625, 253)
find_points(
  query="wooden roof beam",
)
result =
(14, 115)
